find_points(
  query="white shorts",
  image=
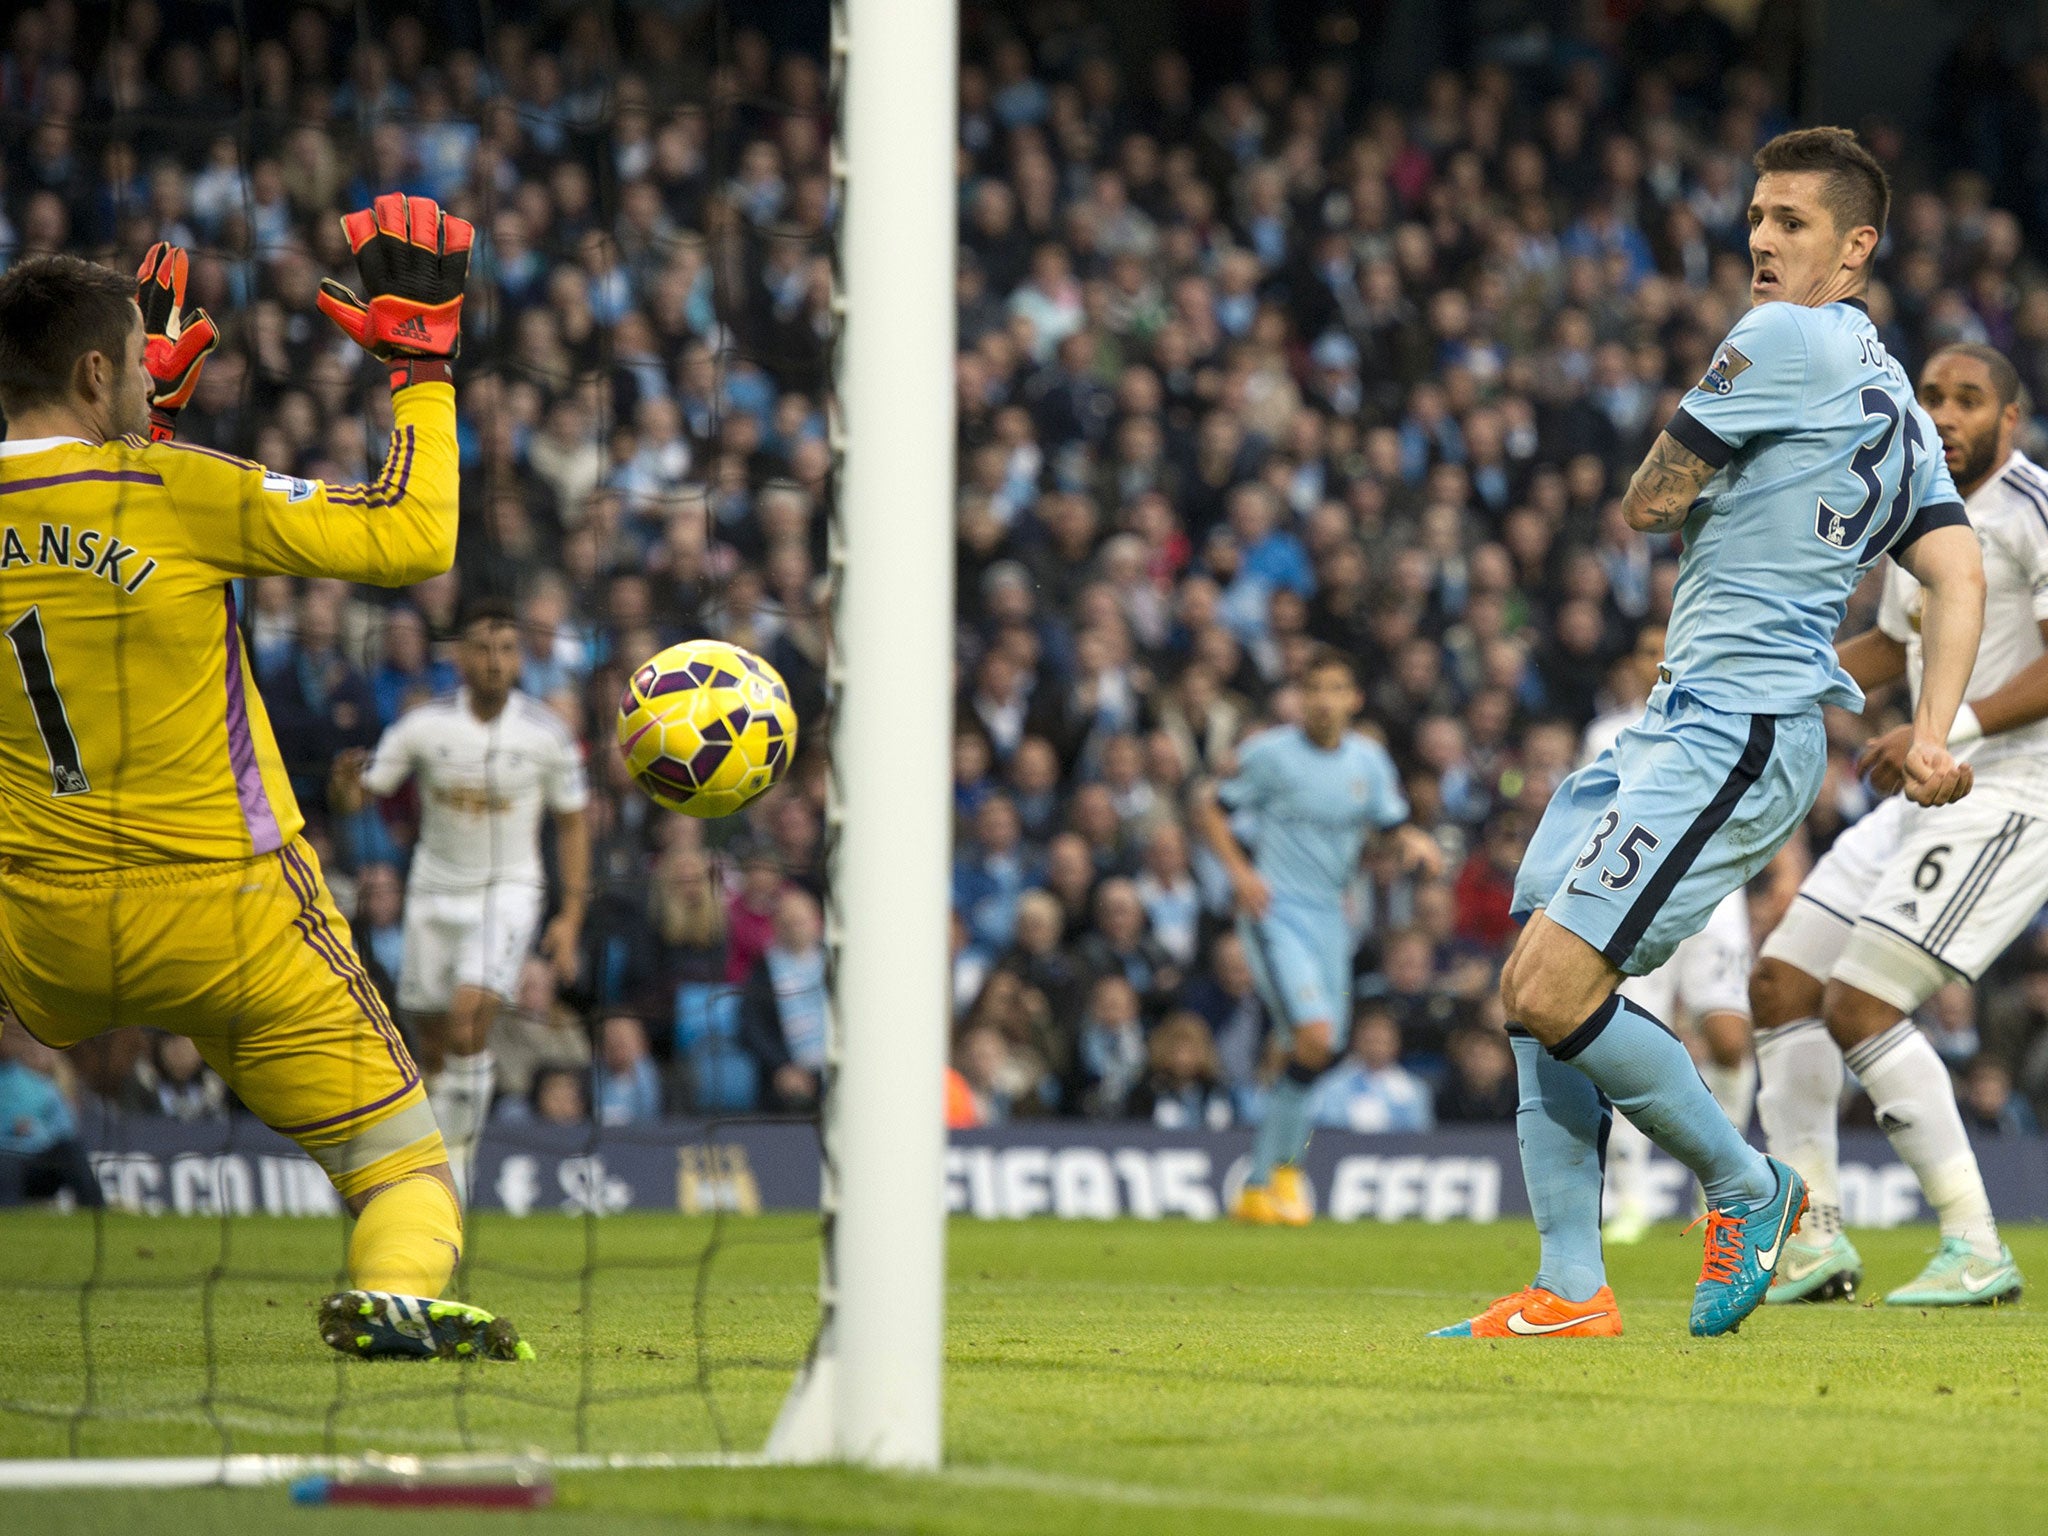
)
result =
(465, 939)
(1965, 882)
(1815, 928)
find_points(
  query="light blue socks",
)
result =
(1647, 1075)
(1283, 1135)
(1562, 1128)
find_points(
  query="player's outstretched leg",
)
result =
(1753, 1202)
(407, 1239)
(1561, 1126)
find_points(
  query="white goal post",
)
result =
(870, 1394)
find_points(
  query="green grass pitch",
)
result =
(1125, 1377)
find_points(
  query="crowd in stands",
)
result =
(1240, 369)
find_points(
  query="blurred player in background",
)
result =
(1908, 899)
(151, 867)
(1793, 465)
(489, 759)
(1311, 795)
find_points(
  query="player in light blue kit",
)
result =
(1313, 794)
(1796, 463)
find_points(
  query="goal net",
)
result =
(704, 390)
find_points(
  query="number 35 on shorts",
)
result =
(1620, 867)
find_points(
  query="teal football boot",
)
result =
(382, 1325)
(1830, 1271)
(1744, 1244)
(1957, 1277)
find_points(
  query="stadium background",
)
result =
(1277, 324)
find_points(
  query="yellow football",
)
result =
(705, 726)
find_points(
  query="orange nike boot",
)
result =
(1539, 1314)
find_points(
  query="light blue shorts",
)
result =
(1638, 847)
(1300, 956)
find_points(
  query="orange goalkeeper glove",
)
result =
(175, 342)
(414, 260)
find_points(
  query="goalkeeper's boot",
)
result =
(1539, 1314)
(1828, 1271)
(1744, 1244)
(382, 1325)
(1254, 1207)
(1292, 1204)
(1958, 1276)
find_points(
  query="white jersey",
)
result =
(2010, 514)
(1707, 973)
(1605, 730)
(483, 784)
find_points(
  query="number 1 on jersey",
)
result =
(67, 774)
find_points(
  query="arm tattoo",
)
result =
(1662, 491)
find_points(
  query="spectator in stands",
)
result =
(379, 925)
(625, 1087)
(559, 1098)
(782, 1013)
(1989, 1104)
(536, 1032)
(1480, 1086)
(1109, 1056)
(981, 1063)
(1038, 1045)
(1184, 1090)
(1369, 1090)
(40, 1151)
(689, 921)
(1230, 1005)
(750, 913)
(172, 1081)
(318, 702)
(1120, 946)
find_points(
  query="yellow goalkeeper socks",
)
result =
(407, 1239)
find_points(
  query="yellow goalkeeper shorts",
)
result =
(251, 961)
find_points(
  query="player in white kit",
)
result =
(1910, 898)
(488, 760)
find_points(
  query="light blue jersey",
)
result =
(1306, 812)
(1310, 810)
(1824, 463)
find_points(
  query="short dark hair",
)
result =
(2005, 379)
(492, 610)
(1322, 657)
(54, 310)
(1858, 191)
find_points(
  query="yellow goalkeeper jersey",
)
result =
(131, 731)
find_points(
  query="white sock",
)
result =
(461, 1096)
(1799, 1101)
(1628, 1167)
(1734, 1089)
(1916, 1106)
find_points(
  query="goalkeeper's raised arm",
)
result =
(246, 520)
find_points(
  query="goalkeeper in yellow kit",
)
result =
(151, 868)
